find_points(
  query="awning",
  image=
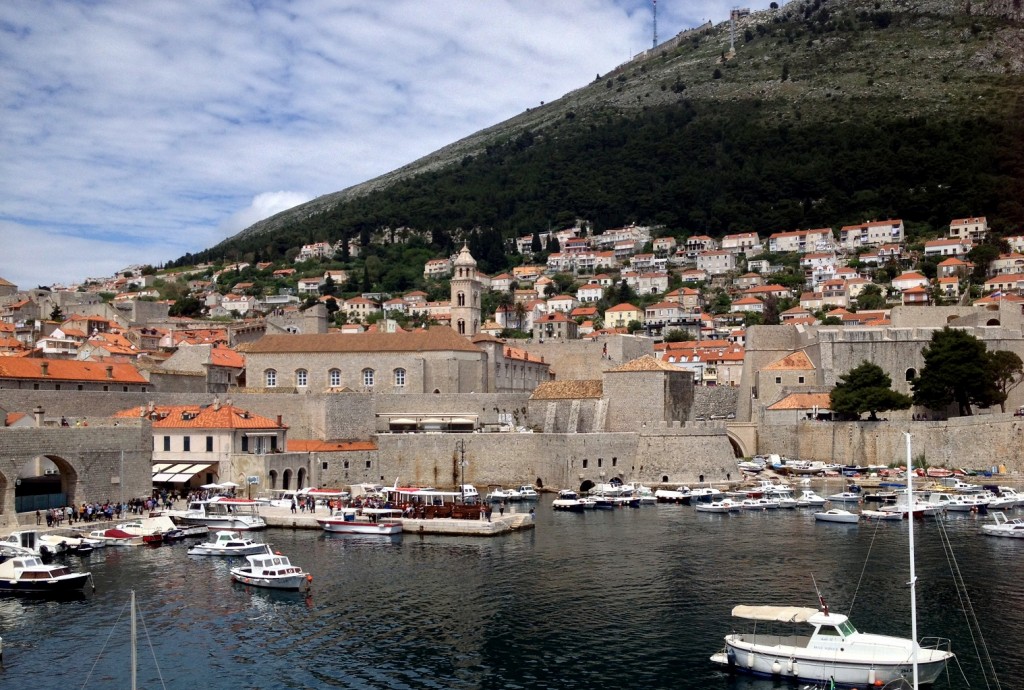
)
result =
(178, 473)
(403, 421)
(461, 420)
(779, 614)
(432, 421)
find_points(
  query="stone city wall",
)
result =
(968, 442)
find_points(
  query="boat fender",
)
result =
(794, 667)
(871, 676)
(730, 656)
(776, 667)
(750, 660)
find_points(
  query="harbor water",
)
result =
(629, 598)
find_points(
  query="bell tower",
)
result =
(466, 289)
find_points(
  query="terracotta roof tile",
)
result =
(796, 361)
(568, 390)
(68, 370)
(438, 338)
(201, 417)
(801, 401)
(645, 363)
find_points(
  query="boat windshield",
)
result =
(846, 628)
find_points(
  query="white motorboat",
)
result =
(961, 503)
(222, 512)
(30, 542)
(1011, 493)
(116, 537)
(962, 487)
(757, 504)
(679, 495)
(783, 499)
(701, 494)
(1003, 527)
(880, 515)
(834, 652)
(846, 497)
(528, 493)
(837, 515)
(569, 501)
(79, 545)
(29, 575)
(227, 543)
(272, 570)
(363, 521)
(908, 504)
(497, 494)
(725, 505)
(808, 498)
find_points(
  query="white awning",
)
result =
(433, 421)
(177, 473)
(402, 421)
(779, 614)
(461, 420)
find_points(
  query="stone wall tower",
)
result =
(466, 288)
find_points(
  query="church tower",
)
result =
(465, 295)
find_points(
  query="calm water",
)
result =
(618, 599)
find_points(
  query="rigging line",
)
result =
(105, 643)
(152, 651)
(968, 608)
(864, 567)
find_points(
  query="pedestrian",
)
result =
(488, 511)
(501, 508)
(293, 505)
(39, 518)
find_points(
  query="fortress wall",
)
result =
(970, 442)
(555, 460)
(581, 359)
(714, 401)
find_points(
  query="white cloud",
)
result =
(157, 127)
(263, 206)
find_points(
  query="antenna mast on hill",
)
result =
(654, 43)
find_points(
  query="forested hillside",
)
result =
(829, 113)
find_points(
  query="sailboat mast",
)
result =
(913, 574)
(133, 640)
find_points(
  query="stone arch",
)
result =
(910, 374)
(952, 318)
(65, 469)
(300, 478)
(992, 322)
(286, 480)
(272, 475)
(739, 448)
(586, 486)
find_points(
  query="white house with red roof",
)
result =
(742, 243)
(1005, 282)
(870, 234)
(716, 262)
(437, 268)
(620, 315)
(555, 326)
(916, 296)
(663, 246)
(972, 230)
(1007, 264)
(909, 280)
(591, 292)
(947, 247)
(562, 303)
(696, 244)
(954, 267)
(745, 304)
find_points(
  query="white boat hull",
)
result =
(235, 524)
(801, 664)
(360, 527)
(290, 582)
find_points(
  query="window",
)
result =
(910, 375)
(584, 463)
(106, 388)
(209, 444)
(367, 464)
(368, 378)
(323, 465)
(600, 461)
(167, 443)
(334, 375)
(778, 379)
(461, 299)
(462, 327)
(800, 379)
(245, 444)
(301, 378)
(273, 445)
(79, 386)
(187, 444)
(270, 378)
(400, 378)
(615, 461)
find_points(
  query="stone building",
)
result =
(70, 375)
(436, 360)
(466, 290)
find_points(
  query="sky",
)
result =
(135, 132)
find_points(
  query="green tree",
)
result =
(56, 314)
(186, 306)
(871, 298)
(866, 388)
(678, 335)
(1007, 371)
(634, 326)
(956, 370)
(329, 287)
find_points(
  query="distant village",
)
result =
(712, 359)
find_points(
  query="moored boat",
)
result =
(116, 537)
(29, 575)
(837, 515)
(1003, 527)
(364, 521)
(228, 543)
(271, 570)
(221, 512)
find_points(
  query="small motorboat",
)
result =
(272, 570)
(880, 515)
(30, 542)
(846, 497)
(228, 543)
(569, 501)
(29, 575)
(1001, 526)
(809, 499)
(365, 521)
(528, 493)
(116, 537)
(837, 515)
(80, 546)
(725, 505)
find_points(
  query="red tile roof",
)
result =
(213, 416)
(68, 370)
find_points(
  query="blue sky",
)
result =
(134, 132)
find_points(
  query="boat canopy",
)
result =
(779, 614)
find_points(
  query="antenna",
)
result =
(732, 29)
(654, 44)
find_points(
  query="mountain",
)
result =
(827, 113)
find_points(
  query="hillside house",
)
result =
(742, 243)
(972, 230)
(555, 326)
(716, 263)
(873, 233)
(620, 315)
(947, 247)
